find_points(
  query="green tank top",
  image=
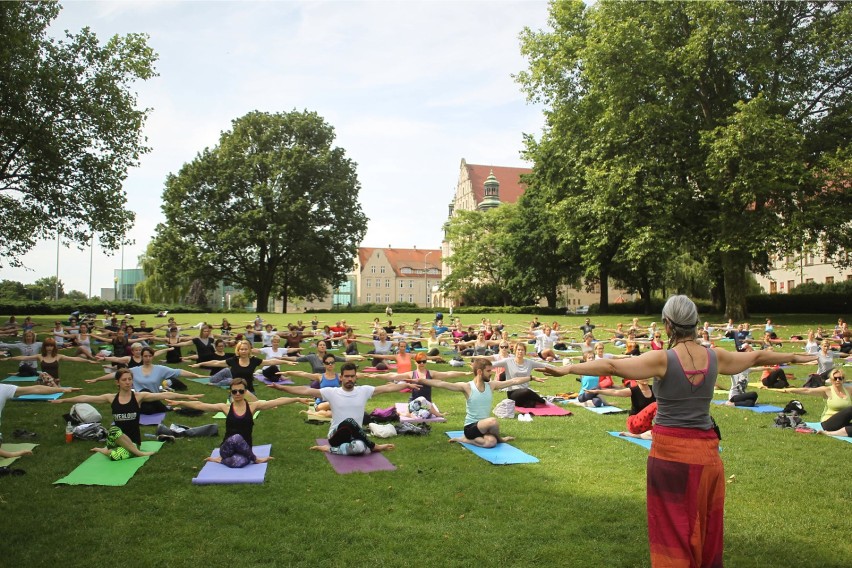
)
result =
(479, 404)
(834, 404)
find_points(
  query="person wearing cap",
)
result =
(686, 478)
(346, 435)
(480, 429)
(421, 372)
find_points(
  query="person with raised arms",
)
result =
(480, 429)
(236, 449)
(124, 437)
(686, 478)
(346, 435)
(420, 372)
(836, 419)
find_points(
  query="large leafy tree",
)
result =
(273, 209)
(69, 130)
(733, 111)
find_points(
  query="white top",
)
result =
(346, 404)
(6, 392)
(543, 341)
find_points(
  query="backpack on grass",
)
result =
(92, 431)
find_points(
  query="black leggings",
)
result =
(777, 379)
(525, 398)
(744, 399)
(843, 419)
(348, 431)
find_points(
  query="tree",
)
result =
(272, 209)
(160, 284)
(735, 111)
(69, 130)
(12, 290)
(479, 241)
(45, 289)
(76, 295)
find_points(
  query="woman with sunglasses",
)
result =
(836, 419)
(236, 449)
(328, 378)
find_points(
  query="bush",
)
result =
(65, 307)
(801, 303)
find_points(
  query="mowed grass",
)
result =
(583, 504)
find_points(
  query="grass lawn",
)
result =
(583, 504)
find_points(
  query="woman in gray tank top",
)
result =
(686, 479)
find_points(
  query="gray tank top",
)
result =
(681, 404)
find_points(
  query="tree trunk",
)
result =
(646, 295)
(603, 304)
(285, 292)
(551, 297)
(262, 291)
(734, 271)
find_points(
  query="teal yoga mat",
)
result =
(759, 408)
(501, 454)
(17, 379)
(53, 396)
(638, 441)
(818, 427)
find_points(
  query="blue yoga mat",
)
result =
(53, 396)
(17, 379)
(818, 427)
(501, 454)
(638, 441)
(759, 408)
(597, 409)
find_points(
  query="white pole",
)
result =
(91, 260)
(56, 292)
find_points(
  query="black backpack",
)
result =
(795, 406)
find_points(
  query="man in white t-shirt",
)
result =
(346, 435)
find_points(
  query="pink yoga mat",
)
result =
(549, 410)
(364, 464)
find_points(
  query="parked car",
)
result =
(581, 310)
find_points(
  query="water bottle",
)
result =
(69, 432)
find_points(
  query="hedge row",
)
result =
(66, 307)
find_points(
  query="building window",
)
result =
(369, 298)
(368, 283)
(849, 277)
(411, 283)
(402, 283)
(829, 279)
(382, 269)
(790, 284)
(372, 270)
(773, 287)
(387, 298)
(401, 298)
(809, 280)
(411, 298)
(387, 282)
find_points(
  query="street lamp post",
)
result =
(426, 271)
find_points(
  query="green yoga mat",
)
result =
(100, 470)
(6, 462)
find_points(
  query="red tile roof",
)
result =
(416, 259)
(511, 187)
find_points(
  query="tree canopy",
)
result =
(719, 129)
(272, 209)
(69, 130)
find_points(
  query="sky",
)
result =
(411, 88)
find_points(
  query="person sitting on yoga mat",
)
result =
(236, 449)
(149, 378)
(518, 366)
(329, 378)
(738, 396)
(480, 429)
(836, 419)
(124, 436)
(420, 372)
(643, 407)
(346, 435)
(686, 478)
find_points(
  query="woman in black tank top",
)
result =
(236, 448)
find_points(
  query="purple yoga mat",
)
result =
(364, 464)
(266, 381)
(151, 419)
(218, 474)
